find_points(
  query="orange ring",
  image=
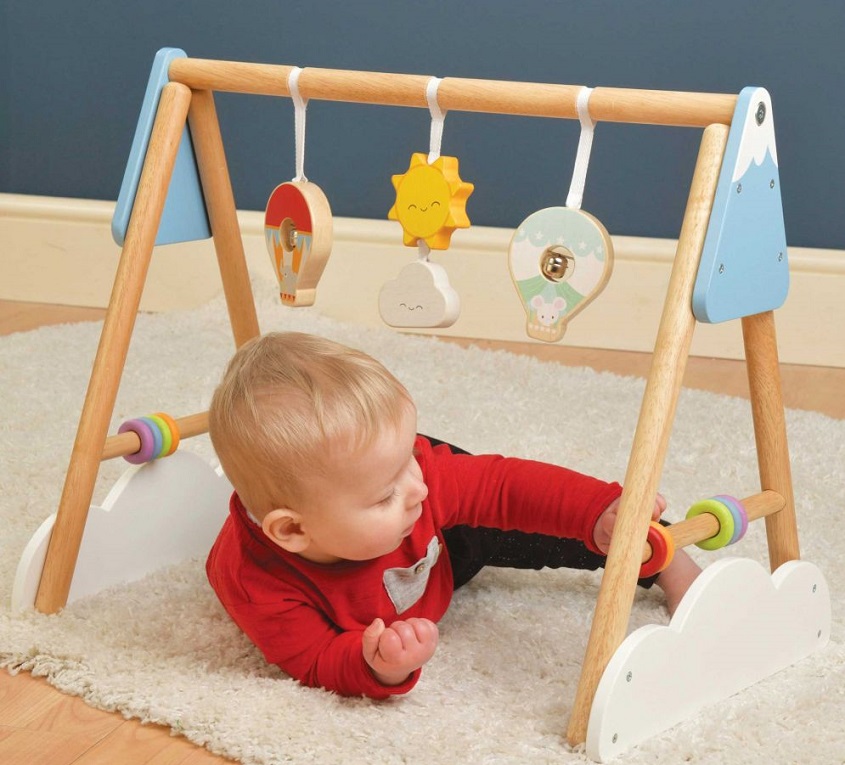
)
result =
(670, 545)
(174, 432)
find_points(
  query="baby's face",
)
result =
(371, 500)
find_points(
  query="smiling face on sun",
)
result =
(422, 201)
(430, 201)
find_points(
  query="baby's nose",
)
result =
(421, 491)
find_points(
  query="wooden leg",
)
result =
(222, 214)
(651, 439)
(761, 354)
(97, 410)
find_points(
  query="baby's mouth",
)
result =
(410, 528)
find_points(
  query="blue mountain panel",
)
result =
(744, 268)
(184, 218)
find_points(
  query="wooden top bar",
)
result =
(530, 99)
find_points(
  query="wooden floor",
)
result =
(39, 725)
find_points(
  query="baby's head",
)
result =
(288, 405)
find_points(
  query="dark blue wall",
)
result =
(72, 76)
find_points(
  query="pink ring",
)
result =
(143, 431)
(740, 516)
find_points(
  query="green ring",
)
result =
(723, 515)
(166, 435)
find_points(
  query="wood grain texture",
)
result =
(530, 99)
(40, 725)
(770, 433)
(651, 438)
(112, 350)
(222, 216)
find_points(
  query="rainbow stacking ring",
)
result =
(145, 433)
(740, 516)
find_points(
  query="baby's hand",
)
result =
(394, 652)
(607, 520)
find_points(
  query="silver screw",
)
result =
(721, 268)
(780, 257)
(772, 183)
(739, 188)
(760, 116)
(615, 737)
(629, 676)
(818, 635)
(814, 587)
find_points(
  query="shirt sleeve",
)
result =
(514, 494)
(298, 639)
(289, 628)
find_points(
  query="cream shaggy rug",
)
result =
(500, 686)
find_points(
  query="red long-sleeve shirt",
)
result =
(308, 618)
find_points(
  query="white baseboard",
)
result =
(56, 250)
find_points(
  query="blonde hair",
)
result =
(287, 401)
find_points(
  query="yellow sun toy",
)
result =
(430, 201)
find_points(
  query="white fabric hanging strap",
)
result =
(582, 157)
(423, 250)
(437, 118)
(299, 105)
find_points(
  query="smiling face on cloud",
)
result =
(420, 296)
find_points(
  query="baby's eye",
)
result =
(389, 498)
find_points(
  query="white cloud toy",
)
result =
(420, 296)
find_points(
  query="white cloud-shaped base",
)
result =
(735, 626)
(156, 514)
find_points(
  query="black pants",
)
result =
(471, 549)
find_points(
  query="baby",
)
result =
(348, 531)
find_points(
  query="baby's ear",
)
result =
(284, 527)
